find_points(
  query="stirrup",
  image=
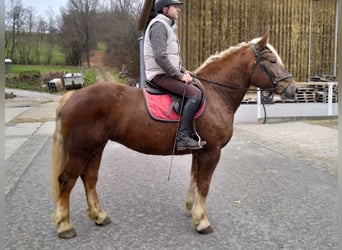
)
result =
(200, 142)
(195, 145)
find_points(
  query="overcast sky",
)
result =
(45, 6)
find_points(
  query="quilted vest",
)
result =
(151, 67)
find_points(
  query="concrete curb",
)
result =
(295, 118)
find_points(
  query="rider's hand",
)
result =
(187, 77)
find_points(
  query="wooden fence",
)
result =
(302, 31)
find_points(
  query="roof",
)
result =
(148, 13)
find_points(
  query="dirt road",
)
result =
(103, 72)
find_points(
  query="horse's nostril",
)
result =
(296, 91)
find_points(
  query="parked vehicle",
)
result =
(55, 85)
(73, 81)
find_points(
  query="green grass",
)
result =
(16, 69)
(37, 53)
(13, 80)
(58, 57)
(89, 76)
(101, 46)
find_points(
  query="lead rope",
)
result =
(174, 142)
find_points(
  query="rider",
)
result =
(163, 66)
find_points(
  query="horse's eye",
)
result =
(274, 61)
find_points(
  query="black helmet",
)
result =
(159, 4)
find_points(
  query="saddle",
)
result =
(162, 105)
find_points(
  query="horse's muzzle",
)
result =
(290, 92)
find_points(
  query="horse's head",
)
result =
(268, 71)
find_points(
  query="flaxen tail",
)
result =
(59, 153)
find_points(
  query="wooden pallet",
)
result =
(321, 90)
(322, 96)
(305, 94)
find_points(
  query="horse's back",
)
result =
(91, 114)
(98, 98)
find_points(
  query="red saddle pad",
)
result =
(159, 107)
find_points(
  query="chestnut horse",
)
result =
(87, 118)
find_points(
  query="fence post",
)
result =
(330, 96)
(258, 105)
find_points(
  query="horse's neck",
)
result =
(236, 81)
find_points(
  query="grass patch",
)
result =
(115, 74)
(101, 46)
(89, 76)
(43, 69)
(13, 80)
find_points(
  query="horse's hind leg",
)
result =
(206, 164)
(67, 180)
(89, 177)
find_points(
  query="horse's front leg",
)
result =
(190, 197)
(206, 164)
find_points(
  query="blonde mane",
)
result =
(218, 56)
(231, 50)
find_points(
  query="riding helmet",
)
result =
(160, 4)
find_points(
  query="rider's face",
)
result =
(173, 11)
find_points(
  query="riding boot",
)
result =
(184, 140)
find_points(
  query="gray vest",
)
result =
(151, 67)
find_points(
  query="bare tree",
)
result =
(29, 18)
(121, 36)
(42, 27)
(68, 39)
(79, 26)
(14, 22)
(52, 38)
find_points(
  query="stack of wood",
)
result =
(322, 92)
(315, 92)
(305, 93)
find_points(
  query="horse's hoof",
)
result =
(207, 230)
(70, 233)
(105, 222)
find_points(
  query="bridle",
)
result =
(258, 60)
(275, 80)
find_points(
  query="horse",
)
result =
(86, 119)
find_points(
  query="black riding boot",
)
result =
(184, 140)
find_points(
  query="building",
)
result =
(303, 32)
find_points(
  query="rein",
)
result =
(259, 60)
(218, 83)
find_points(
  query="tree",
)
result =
(14, 22)
(29, 17)
(119, 31)
(51, 38)
(79, 28)
(21, 32)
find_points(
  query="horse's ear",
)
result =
(263, 42)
